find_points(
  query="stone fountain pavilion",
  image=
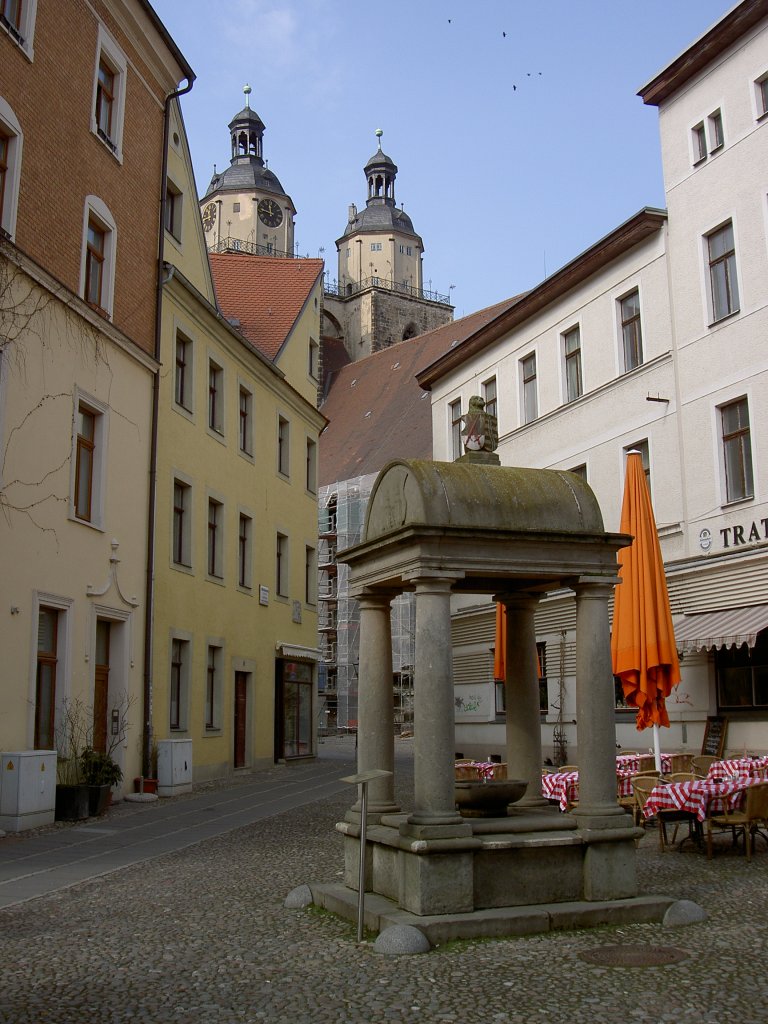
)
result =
(473, 526)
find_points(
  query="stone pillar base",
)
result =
(446, 830)
(436, 883)
(610, 871)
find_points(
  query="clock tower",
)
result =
(245, 207)
(378, 298)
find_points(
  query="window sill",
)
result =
(737, 502)
(248, 456)
(180, 567)
(248, 591)
(727, 316)
(218, 580)
(23, 44)
(700, 161)
(217, 435)
(762, 117)
(86, 522)
(113, 148)
(212, 731)
(182, 410)
(99, 309)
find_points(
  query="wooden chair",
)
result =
(567, 768)
(702, 763)
(680, 762)
(680, 777)
(646, 763)
(755, 813)
(641, 788)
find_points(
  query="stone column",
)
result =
(433, 718)
(595, 704)
(375, 709)
(521, 691)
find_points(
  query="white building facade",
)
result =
(653, 339)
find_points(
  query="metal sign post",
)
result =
(362, 779)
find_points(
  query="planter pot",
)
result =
(150, 785)
(99, 799)
(488, 799)
(71, 803)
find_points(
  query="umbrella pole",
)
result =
(657, 747)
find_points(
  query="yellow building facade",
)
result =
(234, 618)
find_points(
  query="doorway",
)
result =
(101, 686)
(294, 709)
(241, 713)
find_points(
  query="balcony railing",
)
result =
(344, 290)
(230, 244)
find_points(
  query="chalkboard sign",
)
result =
(714, 736)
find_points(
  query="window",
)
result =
(86, 433)
(699, 143)
(742, 676)
(281, 565)
(212, 687)
(541, 657)
(572, 356)
(528, 379)
(283, 446)
(182, 522)
(174, 202)
(409, 250)
(245, 433)
(724, 287)
(375, 246)
(737, 450)
(311, 466)
(631, 332)
(179, 683)
(215, 397)
(580, 471)
(94, 263)
(642, 448)
(490, 397)
(314, 359)
(761, 94)
(183, 379)
(244, 551)
(454, 413)
(45, 687)
(235, 207)
(716, 137)
(215, 529)
(10, 168)
(109, 93)
(17, 17)
(98, 259)
(310, 575)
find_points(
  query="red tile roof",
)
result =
(376, 409)
(262, 295)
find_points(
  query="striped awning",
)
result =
(725, 628)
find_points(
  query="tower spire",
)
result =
(247, 91)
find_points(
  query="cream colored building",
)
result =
(235, 620)
(77, 365)
(653, 339)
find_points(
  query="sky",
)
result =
(515, 124)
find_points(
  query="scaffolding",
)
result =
(341, 517)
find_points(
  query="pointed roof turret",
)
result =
(380, 213)
(247, 169)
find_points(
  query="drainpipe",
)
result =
(149, 602)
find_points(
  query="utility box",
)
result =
(174, 767)
(27, 789)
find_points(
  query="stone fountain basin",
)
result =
(478, 799)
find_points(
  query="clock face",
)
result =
(209, 216)
(270, 213)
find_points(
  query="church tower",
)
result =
(379, 298)
(245, 207)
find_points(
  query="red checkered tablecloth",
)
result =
(631, 762)
(701, 797)
(561, 786)
(743, 768)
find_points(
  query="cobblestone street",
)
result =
(201, 935)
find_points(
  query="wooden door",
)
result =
(101, 686)
(241, 707)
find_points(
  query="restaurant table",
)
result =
(564, 786)
(701, 797)
(743, 768)
(631, 762)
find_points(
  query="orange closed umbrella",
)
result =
(500, 648)
(643, 649)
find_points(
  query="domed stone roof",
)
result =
(380, 217)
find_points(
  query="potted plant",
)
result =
(148, 783)
(71, 789)
(100, 774)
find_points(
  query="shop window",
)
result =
(742, 676)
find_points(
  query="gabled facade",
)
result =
(652, 340)
(78, 296)
(235, 623)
